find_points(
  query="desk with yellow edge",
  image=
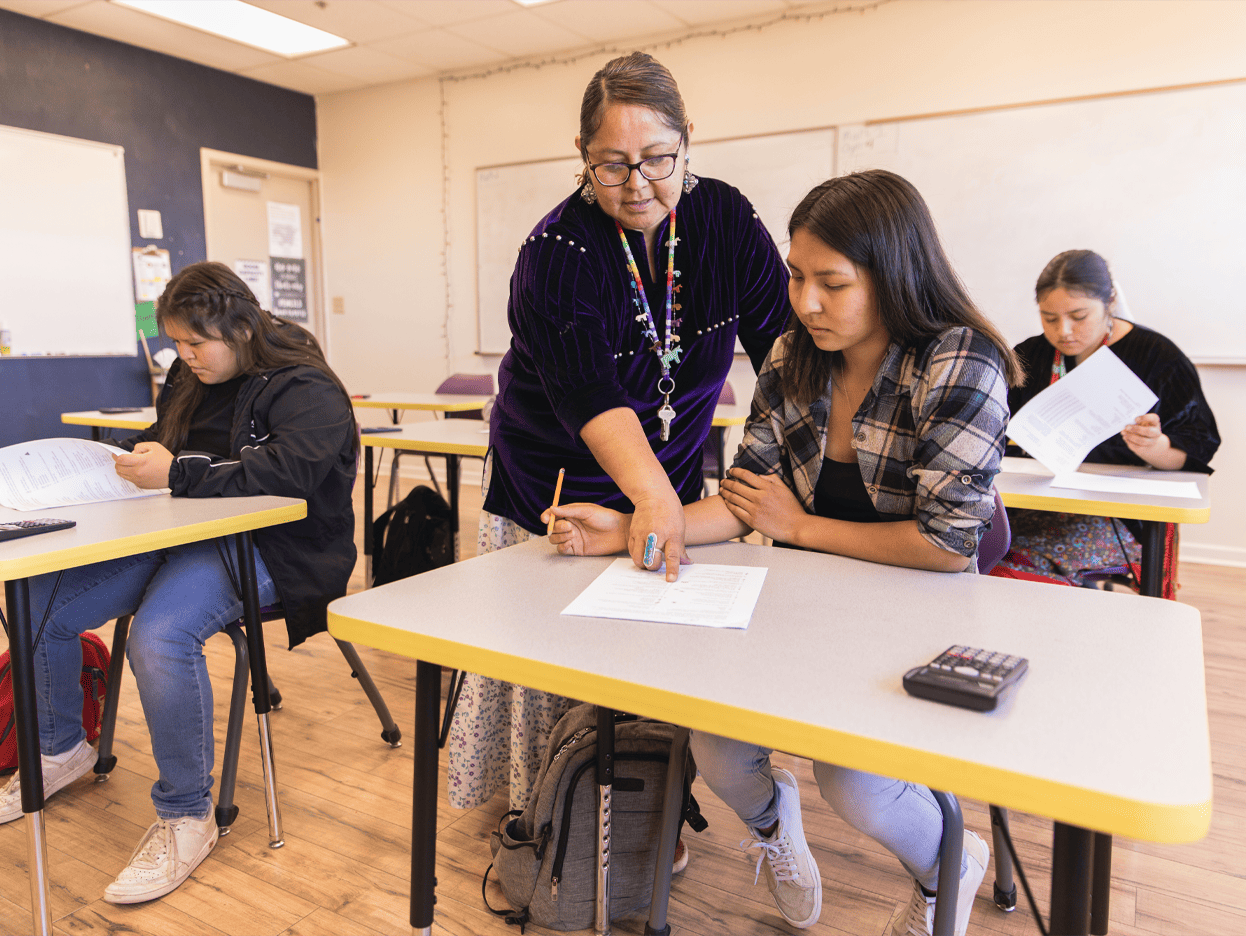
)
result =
(135, 420)
(1120, 748)
(105, 531)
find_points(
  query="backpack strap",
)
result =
(518, 918)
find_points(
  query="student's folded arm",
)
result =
(310, 424)
(961, 414)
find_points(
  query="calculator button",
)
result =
(966, 670)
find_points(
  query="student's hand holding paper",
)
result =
(1146, 440)
(588, 530)
(147, 466)
(764, 502)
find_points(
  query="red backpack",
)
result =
(95, 662)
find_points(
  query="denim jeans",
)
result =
(902, 817)
(179, 598)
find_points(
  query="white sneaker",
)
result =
(59, 771)
(171, 849)
(791, 873)
(918, 918)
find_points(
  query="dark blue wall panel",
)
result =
(162, 110)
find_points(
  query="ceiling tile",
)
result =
(707, 12)
(609, 20)
(150, 32)
(440, 50)
(359, 21)
(520, 33)
(299, 76)
(39, 8)
(367, 64)
(449, 12)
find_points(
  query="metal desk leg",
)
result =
(424, 801)
(452, 488)
(1152, 558)
(605, 792)
(1072, 853)
(30, 768)
(259, 681)
(950, 849)
(720, 440)
(367, 516)
(1101, 886)
(672, 807)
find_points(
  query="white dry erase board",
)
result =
(1155, 182)
(773, 171)
(67, 285)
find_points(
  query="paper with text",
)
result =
(1094, 401)
(707, 595)
(1111, 484)
(62, 472)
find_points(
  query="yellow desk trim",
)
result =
(1100, 508)
(388, 440)
(1087, 809)
(105, 420)
(75, 556)
(457, 406)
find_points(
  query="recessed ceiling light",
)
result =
(243, 23)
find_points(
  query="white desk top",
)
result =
(123, 528)
(440, 402)
(443, 437)
(1123, 750)
(1020, 486)
(139, 419)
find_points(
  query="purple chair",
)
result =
(467, 384)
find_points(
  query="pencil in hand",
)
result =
(557, 494)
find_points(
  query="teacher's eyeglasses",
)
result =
(655, 169)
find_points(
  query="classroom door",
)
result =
(262, 219)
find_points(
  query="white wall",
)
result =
(380, 151)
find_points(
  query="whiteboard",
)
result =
(1155, 182)
(773, 171)
(67, 286)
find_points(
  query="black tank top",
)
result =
(840, 494)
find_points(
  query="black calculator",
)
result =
(18, 528)
(966, 676)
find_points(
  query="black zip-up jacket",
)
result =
(293, 435)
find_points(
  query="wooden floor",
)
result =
(346, 805)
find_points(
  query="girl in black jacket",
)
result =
(251, 407)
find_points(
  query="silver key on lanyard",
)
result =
(666, 414)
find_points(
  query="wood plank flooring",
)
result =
(346, 805)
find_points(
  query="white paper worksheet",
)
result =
(706, 594)
(1094, 401)
(62, 472)
(1159, 487)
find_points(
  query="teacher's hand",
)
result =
(662, 514)
(587, 529)
(764, 502)
(147, 466)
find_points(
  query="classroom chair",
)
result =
(226, 811)
(713, 458)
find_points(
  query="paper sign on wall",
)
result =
(255, 274)
(285, 231)
(152, 273)
(289, 278)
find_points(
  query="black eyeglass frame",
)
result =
(636, 167)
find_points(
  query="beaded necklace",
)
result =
(1058, 368)
(668, 354)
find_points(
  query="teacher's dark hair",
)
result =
(880, 222)
(209, 299)
(1078, 271)
(637, 79)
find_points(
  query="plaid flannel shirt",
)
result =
(929, 435)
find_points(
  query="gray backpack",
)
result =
(545, 857)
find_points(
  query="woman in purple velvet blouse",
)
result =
(625, 306)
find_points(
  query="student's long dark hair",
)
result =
(880, 222)
(209, 299)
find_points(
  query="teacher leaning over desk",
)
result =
(625, 305)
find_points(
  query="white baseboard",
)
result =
(1209, 554)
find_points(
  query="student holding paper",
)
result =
(1078, 305)
(250, 408)
(876, 430)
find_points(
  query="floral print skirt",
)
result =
(500, 730)
(1067, 546)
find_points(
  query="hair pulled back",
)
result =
(211, 300)
(637, 79)
(880, 222)
(1077, 271)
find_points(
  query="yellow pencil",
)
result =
(557, 495)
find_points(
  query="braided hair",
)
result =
(209, 299)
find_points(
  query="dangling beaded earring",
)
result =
(588, 193)
(690, 181)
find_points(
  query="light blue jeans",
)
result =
(902, 817)
(179, 598)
